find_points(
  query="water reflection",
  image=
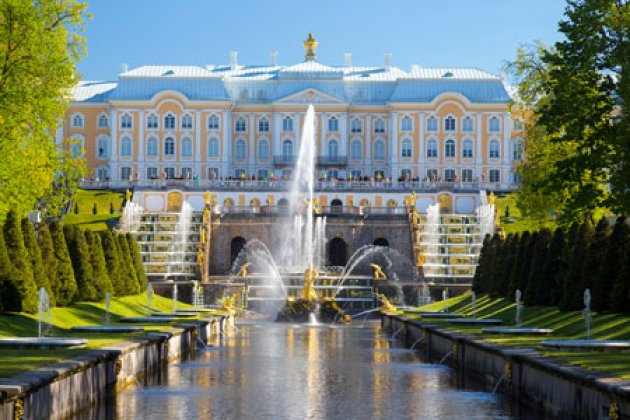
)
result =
(295, 372)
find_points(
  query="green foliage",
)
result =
(65, 286)
(137, 261)
(81, 264)
(111, 208)
(95, 209)
(553, 271)
(6, 288)
(21, 275)
(102, 282)
(596, 254)
(110, 251)
(35, 256)
(479, 283)
(620, 248)
(130, 280)
(574, 280)
(49, 261)
(39, 50)
(537, 286)
(76, 208)
(519, 262)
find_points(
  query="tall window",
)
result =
(406, 149)
(287, 150)
(152, 147)
(187, 122)
(467, 149)
(356, 127)
(449, 148)
(333, 124)
(186, 173)
(494, 149)
(169, 172)
(103, 121)
(449, 175)
(494, 125)
(152, 122)
(77, 121)
(432, 124)
(494, 175)
(467, 124)
(152, 173)
(187, 148)
(517, 150)
(78, 143)
(432, 174)
(169, 146)
(263, 150)
(287, 124)
(103, 148)
(169, 122)
(213, 148)
(333, 149)
(432, 149)
(241, 124)
(263, 125)
(467, 175)
(125, 147)
(355, 150)
(126, 121)
(407, 124)
(125, 173)
(213, 122)
(213, 173)
(449, 123)
(240, 149)
(379, 150)
(379, 126)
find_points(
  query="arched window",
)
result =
(77, 145)
(406, 149)
(263, 150)
(517, 148)
(449, 148)
(152, 122)
(467, 149)
(103, 121)
(467, 124)
(102, 151)
(494, 149)
(407, 124)
(449, 123)
(169, 146)
(169, 121)
(432, 149)
(379, 150)
(187, 147)
(213, 122)
(287, 150)
(333, 124)
(125, 147)
(213, 148)
(432, 124)
(494, 124)
(187, 122)
(240, 149)
(379, 126)
(494, 175)
(241, 125)
(263, 125)
(355, 150)
(77, 120)
(152, 147)
(333, 149)
(126, 121)
(356, 127)
(125, 173)
(287, 124)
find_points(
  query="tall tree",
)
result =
(596, 254)
(620, 294)
(110, 250)
(553, 271)
(130, 280)
(574, 281)
(35, 255)
(137, 262)
(64, 273)
(39, 48)
(81, 264)
(479, 279)
(523, 276)
(536, 285)
(7, 292)
(604, 291)
(49, 262)
(519, 262)
(101, 279)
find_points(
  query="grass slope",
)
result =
(86, 200)
(566, 325)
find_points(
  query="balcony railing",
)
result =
(332, 160)
(283, 160)
(325, 210)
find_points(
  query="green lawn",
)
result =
(14, 361)
(520, 222)
(566, 325)
(100, 221)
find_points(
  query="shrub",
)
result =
(49, 261)
(80, 257)
(95, 209)
(64, 274)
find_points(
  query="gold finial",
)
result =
(310, 45)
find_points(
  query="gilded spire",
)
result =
(310, 45)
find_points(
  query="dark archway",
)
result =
(336, 206)
(381, 242)
(237, 244)
(337, 252)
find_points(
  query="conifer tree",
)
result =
(573, 283)
(496, 247)
(137, 262)
(131, 281)
(5, 269)
(101, 280)
(49, 262)
(510, 260)
(552, 271)
(596, 254)
(620, 294)
(536, 281)
(64, 274)
(523, 276)
(110, 251)
(81, 264)
(519, 260)
(21, 275)
(605, 293)
(35, 255)
(478, 284)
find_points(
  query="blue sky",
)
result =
(432, 33)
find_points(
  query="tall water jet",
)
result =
(150, 296)
(174, 297)
(183, 232)
(108, 297)
(44, 313)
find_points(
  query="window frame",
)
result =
(212, 140)
(77, 120)
(153, 122)
(465, 149)
(212, 119)
(406, 148)
(170, 121)
(185, 118)
(432, 124)
(333, 124)
(432, 149)
(450, 123)
(263, 142)
(406, 123)
(153, 142)
(240, 125)
(263, 125)
(186, 146)
(126, 147)
(450, 149)
(379, 146)
(169, 146)
(240, 149)
(491, 149)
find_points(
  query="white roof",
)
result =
(168, 71)
(92, 91)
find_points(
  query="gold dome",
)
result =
(310, 45)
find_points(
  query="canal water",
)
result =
(284, 371)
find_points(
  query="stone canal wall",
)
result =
(562, 391)
(61, 389)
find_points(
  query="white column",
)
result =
(368, 145)
(113, 162)
(393, 144)
(296, 131)
(343, 127)
(276, 126)
(252, 144)
(198, 144)
(421, 147)
(323, 151)
(226, 146)
(479, 153)
(140, 158)
(507, 131)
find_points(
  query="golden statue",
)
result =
(128, 196)
(308, 292)
(386, 306)
(200, 258)
(415, 217)
(315, 205)
(378, 272)
(207, 196)
(420, 259)
(213, 201)
(228, 304)
(350, 202)
(412, 199)
(310, 45)
(491, 198)
(203, 236)
(242, 272)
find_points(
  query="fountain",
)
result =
(174, 297)
(386, 306)
(519, 307)
(150, 297)
(473, 304)
(518, 330)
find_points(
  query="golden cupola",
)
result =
(310, 45)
